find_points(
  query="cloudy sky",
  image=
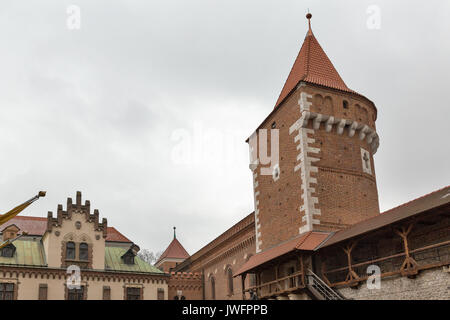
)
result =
(146, 107)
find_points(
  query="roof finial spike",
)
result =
(174, 233)
(309, 16)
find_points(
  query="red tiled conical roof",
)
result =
(174, 250)
(312, 65)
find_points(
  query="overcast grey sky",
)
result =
(105, 109)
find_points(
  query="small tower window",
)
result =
(274, 125)
(345, 104)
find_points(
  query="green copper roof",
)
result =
(28, 252)
(114, 261)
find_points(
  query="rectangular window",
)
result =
(160, 294)
(6, 291)
(106, 293)
(75, 294)
(84, 251)
(43, 291)
(133, 293)
(70, 250)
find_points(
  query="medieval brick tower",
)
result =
(321, 138)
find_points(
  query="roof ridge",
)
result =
(308, 54)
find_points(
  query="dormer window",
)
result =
(70, 250)
(8, 251)
(128, 259)
(10, 232)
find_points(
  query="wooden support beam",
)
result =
(352, 278)
(302, 270)
(409, 266)
(324, 272)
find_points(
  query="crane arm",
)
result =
(14, 212)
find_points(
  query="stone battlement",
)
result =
(78, 208)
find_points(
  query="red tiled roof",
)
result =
(312, 65)
(307, 241)
(114, 235)
(174, 250)
(36, 226)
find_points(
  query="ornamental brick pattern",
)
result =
(185, 284)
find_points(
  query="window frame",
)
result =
(128, 259)
(71, 243)
(10, 248)
(83, 247)
(136, 294)
(4, 291)
(160, 294)
(212, 281)
(230, 284)
(77, 292)
(43, 291)
(106, 293)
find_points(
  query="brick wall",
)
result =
(189, 284)
(229, 250)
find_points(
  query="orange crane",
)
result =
(14, 212)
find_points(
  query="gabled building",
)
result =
(74, 256)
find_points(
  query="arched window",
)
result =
(230, 281)
(84, 251)
(213, 288)
(345, 104)
(70, 250)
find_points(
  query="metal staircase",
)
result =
(319, 289)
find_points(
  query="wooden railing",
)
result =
(393, 262)
(279, 286)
